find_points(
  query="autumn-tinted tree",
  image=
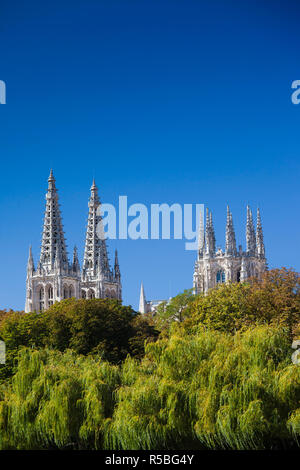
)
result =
(234, 306)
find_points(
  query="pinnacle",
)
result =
(51, 177)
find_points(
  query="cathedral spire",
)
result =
(143, 303)
(53, 235)
(230, 235)
(95, 252)
(75, 264)
(260, 246)
(210, 239)
(250, 234)
(30, 262)
(117, 267)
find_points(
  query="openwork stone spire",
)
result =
(230, 235)
(210, 238)
(55, 278)
(53, 239)
(250, 234)
(117, 272)
(95, 254)
(75, 264)
(230, 265)
(260, 246)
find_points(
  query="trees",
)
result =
(100, 327)
(209, 390)
(221, 376)
(57, 400)
(18, 329)
(234, 306)
(177, 309)
(96, 326)
(144, 331)
(276, 298)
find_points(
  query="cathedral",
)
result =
(217, 266)
(55, 277)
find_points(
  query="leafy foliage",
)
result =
(208, 390)
(98, 326)
(94, 375)
(233, 306)
(177, 309)
(211, 390)
(57, 400)
(91, 326)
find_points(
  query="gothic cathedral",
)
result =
(55, 278)
(216, 266)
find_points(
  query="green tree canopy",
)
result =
(98, 327)
(234, 306)
(209, 390)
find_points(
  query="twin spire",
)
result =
(254, 239)
(53, 246)
(54, 249)
(96, 261)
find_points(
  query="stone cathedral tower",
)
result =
(55, 278)
(215, 266)
(98, 280)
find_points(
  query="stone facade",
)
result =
(55, 278)
(217, 266)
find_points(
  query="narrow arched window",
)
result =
(91, 294)
(41, 293)
(50, 296)
(41, 296)
(83, 294)
(238, 276)
(50, 293)
(65, 292)
(220, 276)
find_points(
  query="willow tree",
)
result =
(57, 400)
(211, 390)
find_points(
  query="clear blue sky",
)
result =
(162, 101)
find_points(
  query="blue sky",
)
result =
(162, 101)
